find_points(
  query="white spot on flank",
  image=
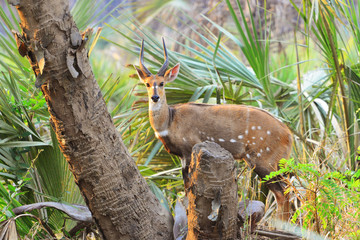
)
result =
(259, 127)
(261, 150)
(184, 139)
(261, 138)
(240, 137)
(259, 154)
(221, 140)
(248, 141)
(247, 155)
(208, 138)
(268, 132)
(254, 143)
(253, 137)
(253, 128)
(232, 140)
(246, 132)
(268, 149)
(212, 139)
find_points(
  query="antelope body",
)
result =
(248, 133)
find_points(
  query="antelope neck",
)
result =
(159, 116)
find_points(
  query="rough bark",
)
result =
(121, 203)
(212, 193)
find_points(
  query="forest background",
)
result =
(297, 59)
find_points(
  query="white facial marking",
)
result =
(240, 137)
(261, 138)
(232, 140)
(268, 149)
(259, 154)
(259, 127)
(253, 128)
(268, 132)
(221, 140)
(155, 87)
(253, 137)
(246, 132)
(247, 155)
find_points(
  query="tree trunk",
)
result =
(121, 203)
(212, 193)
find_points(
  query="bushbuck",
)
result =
(248, 133)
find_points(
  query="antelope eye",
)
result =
(147, 85)
(161, 84)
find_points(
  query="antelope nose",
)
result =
(155, 98)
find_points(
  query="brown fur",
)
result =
(248, 133)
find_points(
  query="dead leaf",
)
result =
(75, 37)
(40, 60)
(180, 224)
(70, 59)
(81, 59)
(39, 81)
(76, 212)
(20, 43)
(14, 2)
(215, 206)
(8, 230)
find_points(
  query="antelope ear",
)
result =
(141, 74)
(172, 73)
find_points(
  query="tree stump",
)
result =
(212, 193)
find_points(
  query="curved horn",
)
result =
(142, 66)
(166, 63)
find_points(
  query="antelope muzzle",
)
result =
(155, 97)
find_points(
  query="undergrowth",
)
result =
(328, 201)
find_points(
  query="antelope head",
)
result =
(155, 83)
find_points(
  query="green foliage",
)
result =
(214, 70)
(237, 66)
(87, 14)
(336, 32)
(329, 199)
(10, 197)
